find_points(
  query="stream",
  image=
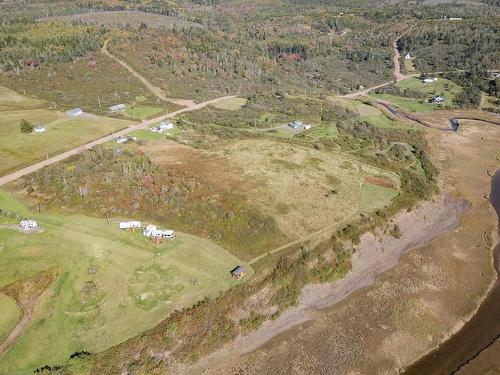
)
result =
(481, 331)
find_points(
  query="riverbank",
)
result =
(410, 309)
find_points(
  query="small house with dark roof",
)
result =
(238, 272)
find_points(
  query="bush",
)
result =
(26, 127)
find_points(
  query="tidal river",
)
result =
(478, 333)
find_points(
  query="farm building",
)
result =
(75, 112)
(295, 124)
(27, 224)
(39, 129)
(407, 56)
(307, 126)
(117, 108)
(125, 139)
(129, 225)
(438, 99)
(166, 125)
(238, 272)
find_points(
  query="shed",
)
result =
(75, 112)
(407, 56)
(39, 129)
(437, 99)
(117, 108)
(238, 272)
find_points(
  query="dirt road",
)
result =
(144, 124)
(157, 91)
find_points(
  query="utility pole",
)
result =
(99, 101)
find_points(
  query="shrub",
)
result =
(26, 127)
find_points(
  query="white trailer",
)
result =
(129, 225)
(27, 224)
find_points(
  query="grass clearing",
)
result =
(372, 115)
(410, 105)
(9, 317)
(112, 284)
(231, 104)
(373, 197)
(62, 133)
(142, 112)
(444, 87)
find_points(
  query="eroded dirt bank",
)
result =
(410, 309)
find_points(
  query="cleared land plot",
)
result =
(444, 87)
(62, 133)
(9, 316)
(10, 99)
(142, 112)
(232, 104)
(302, 188)
(373, 115)
(111, 284)
(123, 18)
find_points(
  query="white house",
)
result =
(75, 112)
(430, 80)
(295, 124)
(407, 56)
(437, 99)
(117, 108)
(129, 225)
(166, 125)
(27, 224)
(39, 129)
(124, 139)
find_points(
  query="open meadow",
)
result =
(411, 88)
(110, 285)
(62, 132)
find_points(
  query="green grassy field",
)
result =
(410, 105)
(373, 197)
(232, 104)
(373, 115)
(10, 315)
(62, 133)
(443, 87)
(111, 284)
(142, 112)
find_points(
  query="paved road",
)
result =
(144, 124)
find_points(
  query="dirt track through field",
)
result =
(157, 91)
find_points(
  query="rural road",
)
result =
(144, 124)
(157, 91)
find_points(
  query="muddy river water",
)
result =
(478, 333)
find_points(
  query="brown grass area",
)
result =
(26, 294)
(380, 181)
(304, 189)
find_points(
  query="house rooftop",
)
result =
(238, 271)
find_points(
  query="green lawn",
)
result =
(410, 105)
(9, 316)
(111, 284)
(232, 104)
(142, 112)
(373, 197)
(443, 87)
(62, 133)
(372, 115)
